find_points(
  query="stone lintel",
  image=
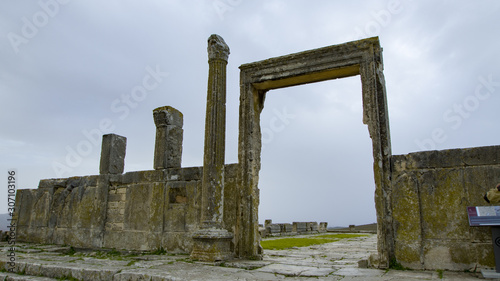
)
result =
(112, 154)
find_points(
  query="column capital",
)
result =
(217, 48)
(167, 115)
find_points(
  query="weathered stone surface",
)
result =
(230, 199)
(112, 154)
(185, 174)
(274, 228)
(300, 227)
(430, 192)
(407, 220)
(212, 244)
(313, 226)
(323, 226)
(169, 135)
(268, 223)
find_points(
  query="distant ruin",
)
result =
(212, 211)
(295, 228)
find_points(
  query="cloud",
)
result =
(64, 81)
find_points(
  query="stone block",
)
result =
(117, 197)
(52, 183)
(287, 227)
(141, 176)
(175, 218)
(262, 231)
(486, 155)
(274, 229)
(406, 219)
(308, 226)
(230, 198)
(178, 194)
(299, 227)
(323, 227)
(457, 255)
(177, 242)
(268, 223)
(443, 204)
(185, 174)
(314, 226)
(112, 154)
(144, 207)
(478, 180)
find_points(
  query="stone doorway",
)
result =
(364, 58)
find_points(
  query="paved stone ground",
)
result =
(332, 261)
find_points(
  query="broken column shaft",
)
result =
(112, 154)
(168, 144)
(212, 241)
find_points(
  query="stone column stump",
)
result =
(112, 154)
(169, 133)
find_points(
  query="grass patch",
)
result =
(112, 254)
(159, 251)
(394, 264)
(69, 278)
(340, 235)
(289, 242)
(71, 251)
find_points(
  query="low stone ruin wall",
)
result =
(430, 193)
(145, 210)
(295, 228)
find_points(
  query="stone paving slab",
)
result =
(332, 261)
(294, 270)
(15, 277)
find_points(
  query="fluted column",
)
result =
(212, 241)
(215, 133)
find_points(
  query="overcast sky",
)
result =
(70, 71)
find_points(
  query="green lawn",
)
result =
(289, 242)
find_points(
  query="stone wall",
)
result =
(143, 210)
(430, 193)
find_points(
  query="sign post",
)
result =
(488, 216)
